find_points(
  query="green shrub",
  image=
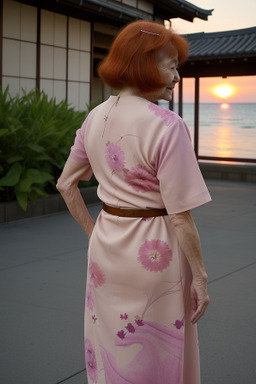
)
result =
(35, 139)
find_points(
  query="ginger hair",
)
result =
(132, 59)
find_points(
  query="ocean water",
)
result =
(226, 130)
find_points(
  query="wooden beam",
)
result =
(229, 159)
(196, 124)
(38, 48)
(214, 68)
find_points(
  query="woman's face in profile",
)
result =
(168, 71)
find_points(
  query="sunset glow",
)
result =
(224, 106)
(243, 88)
(224, 90)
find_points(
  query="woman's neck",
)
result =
(130, 91)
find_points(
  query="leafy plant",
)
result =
(35, 139)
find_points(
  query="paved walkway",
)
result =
(42, 282)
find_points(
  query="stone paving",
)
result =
(42, 283)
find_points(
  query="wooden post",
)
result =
(171, 103)
(181, 98)
(196, 125)
(67, 54)
(38, 48)
(1, 42)
(92, 61)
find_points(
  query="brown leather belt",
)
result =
(134, 212)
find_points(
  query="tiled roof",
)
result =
(165, 9)
(228, 44)
(168, 9)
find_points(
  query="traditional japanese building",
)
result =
(55, 45)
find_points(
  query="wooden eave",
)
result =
(228, 53)
(93, 10)
(120, 13)
(169, 9)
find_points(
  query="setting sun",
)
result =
(224, 90)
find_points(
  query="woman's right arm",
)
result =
(189, 241)
(67, 185)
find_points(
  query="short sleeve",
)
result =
(78, 152)
(181, 183)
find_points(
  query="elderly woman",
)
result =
(146, 282)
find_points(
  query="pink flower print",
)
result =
(94, 318)
(160, 357)
(139, 322)
(89, 302)
(178, 324)
(97, 277)
(124, 316)
(121, 334)
(91, 363)
(141, 179)
(146, 218)
(166, 115)
(155, 255)
(130, 328)
(115, 157)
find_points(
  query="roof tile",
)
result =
(241, 42)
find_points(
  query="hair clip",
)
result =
(150, 33)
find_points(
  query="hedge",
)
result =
(36, 134)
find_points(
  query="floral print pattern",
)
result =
(131, 328)
(155, 255)
(115, 157)
(159, 360)
(121, 334)
(165, 114)
(90, 360)
(141, 179)
(138, 279)
(97, 277)
(89, 301)
(179, 324)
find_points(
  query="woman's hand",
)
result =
(199, 299)
(189, 241)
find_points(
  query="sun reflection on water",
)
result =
(224, 106)
(223, 141)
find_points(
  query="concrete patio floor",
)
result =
(43, 277)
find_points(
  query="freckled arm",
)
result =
(189, 241)
(67, 185)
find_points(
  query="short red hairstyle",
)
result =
(132, 60)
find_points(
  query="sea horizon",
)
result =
(225, 129)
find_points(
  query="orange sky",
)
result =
(244, 90)
(227, 15)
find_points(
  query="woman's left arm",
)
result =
(189, 241)
(67, 185)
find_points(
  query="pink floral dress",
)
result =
(137, 307)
